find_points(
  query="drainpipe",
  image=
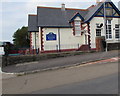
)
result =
(59, 39)
(85, 39)
(105, 25)
(35, 42)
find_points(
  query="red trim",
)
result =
(89, 41)
(93, 48)
(73, 28)
(62, 50)
(82, 28)
(84, 48)
(68, 50)
(42, 45)
(60, 8)
(91, 6)
(32, 14)
(30, 40)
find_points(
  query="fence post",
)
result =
(78, 45)
(33, 50)
(57, 48)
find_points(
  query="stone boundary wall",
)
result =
(11, 60)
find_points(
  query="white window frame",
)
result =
(98, 31)
(117, 29)
(109, 29)
(77, 27)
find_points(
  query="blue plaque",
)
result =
(50, 36)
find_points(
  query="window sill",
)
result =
(117, 39)
(77, 35)
(109, 39)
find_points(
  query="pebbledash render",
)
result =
(66, 29)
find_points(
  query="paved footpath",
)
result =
(59, 62)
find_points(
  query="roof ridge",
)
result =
(91, 6)
(60, 8)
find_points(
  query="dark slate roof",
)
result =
(32, 23)
(92, 11)
(56, 17)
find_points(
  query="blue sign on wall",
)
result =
(50, 36)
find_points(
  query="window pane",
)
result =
(117, 31)
(98, 32)
(109, 26)
(77, 32)
(106, 36)
(110, 36)
(77, 22)
(77, 27)
(116, 26)
(108, 30)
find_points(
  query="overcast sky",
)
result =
(14, 13)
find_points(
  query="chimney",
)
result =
(97, 2)
(63, 7)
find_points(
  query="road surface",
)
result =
(103, 85)
(93, 78)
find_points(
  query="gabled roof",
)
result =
(32, 23)
(49, 17)
(94, 10)
(55, 17)
(77, 15)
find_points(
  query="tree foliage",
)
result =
(21, 37)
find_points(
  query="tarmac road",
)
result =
(92, 78)
(58, 62)
(103, 85)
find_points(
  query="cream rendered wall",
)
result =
(33, 40)
(50, 45)
(93, 30)
(35, 45)
(37, 40)
(67, 39)
(77, 18)
(85, 33)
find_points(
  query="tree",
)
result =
(21, 37)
